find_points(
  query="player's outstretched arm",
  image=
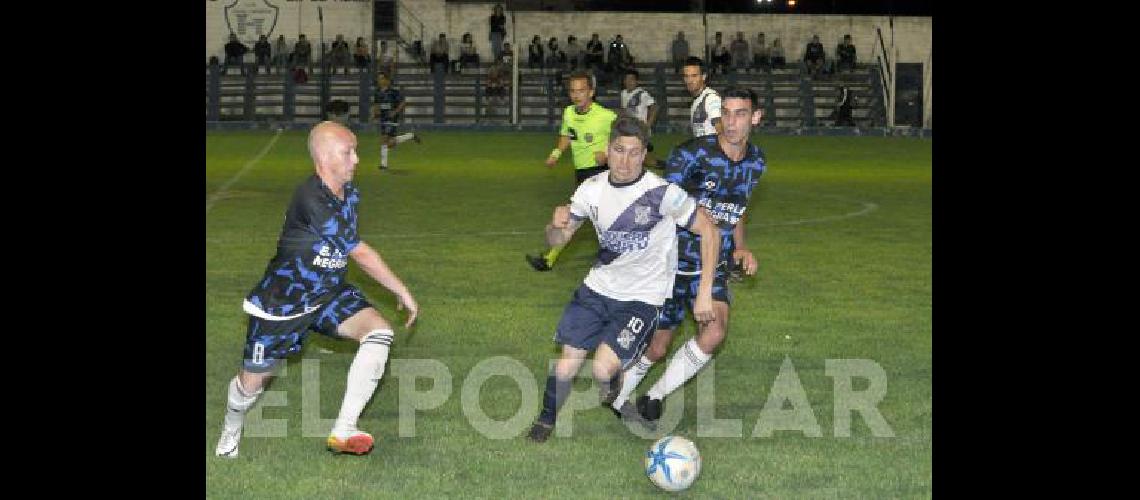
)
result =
(704, 226)
(742, 254)
(561, 227)
(369, 260)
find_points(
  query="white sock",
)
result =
(384, 155)
(363, 376)
(405, 137)
(630, 379)
(237, 403)
(686, 362)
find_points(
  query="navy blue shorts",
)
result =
(591, 318)
(685, 292)
(267, 341)
(388, 130)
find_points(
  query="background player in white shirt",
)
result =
(614, 312)
(640, 103)
(704, 113)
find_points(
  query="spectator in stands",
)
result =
(760, 54)
(573, 53)
(554, 56)
(777, 54)
(739, 50)
(361, 54)
(467, 54)
(214, 63)
(439, 58)
(845, 55)
(280, 54)
(594, 51)
(235, 50)
(341, 54)
(844, 100)
(720, 55)
(814, 57)
(618, 58)
(303, 53)
(534, 59)
(508, 55)
(498, 31)
(497, 79)
(680, 51)
(261, 50)
(387, 58)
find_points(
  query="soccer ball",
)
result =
(673, 463)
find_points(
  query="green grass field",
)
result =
(842, 228)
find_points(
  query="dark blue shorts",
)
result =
(591, 318)
(388, 130)
(685, 292)
(267, 342)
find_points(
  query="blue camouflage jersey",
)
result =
(719, 184)
(312, 251)
(387, 100)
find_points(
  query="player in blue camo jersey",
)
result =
(304, 289)
(720, 171)
(388, 105)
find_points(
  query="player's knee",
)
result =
(711, 336)
(659, 346)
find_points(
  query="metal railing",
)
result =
(409, 28)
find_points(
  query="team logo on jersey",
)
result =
(710, 184)
(589, 137)
(642, 215)
(249, 19)
(625, 338)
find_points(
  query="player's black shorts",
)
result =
(685, 292)
(581, 174)
(268, 341)
(388, 130)
(591, 318)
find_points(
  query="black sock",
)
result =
(556, 392)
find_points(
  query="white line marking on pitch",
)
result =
(245, 168)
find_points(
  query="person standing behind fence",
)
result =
(303, 53)
(261, 50)
(573, 53)
(739, 49)
(235, 50)
(535, 51)
(594, 50)
(760, 54)
(360, 54)
(340, 54)
(777, 54)
(680, 51)
(387, 59)
(467, 54)
(280, 54)
(439, 54)
(498, 22)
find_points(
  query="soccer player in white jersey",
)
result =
(640, 103)
(704, 112)
(614, 312)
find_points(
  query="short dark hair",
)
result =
(695, 61)
(581, 75)
(627, 125)
(741, 92)
(633, 72)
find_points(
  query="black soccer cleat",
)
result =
(540, 432)
(538, 263)
(650, 409)
(608, 392)
(628, 413)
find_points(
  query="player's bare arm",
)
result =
(651, 118)
(369, 261)
(561, 227)
(559, 148)
(742, 255)
(704, 226)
